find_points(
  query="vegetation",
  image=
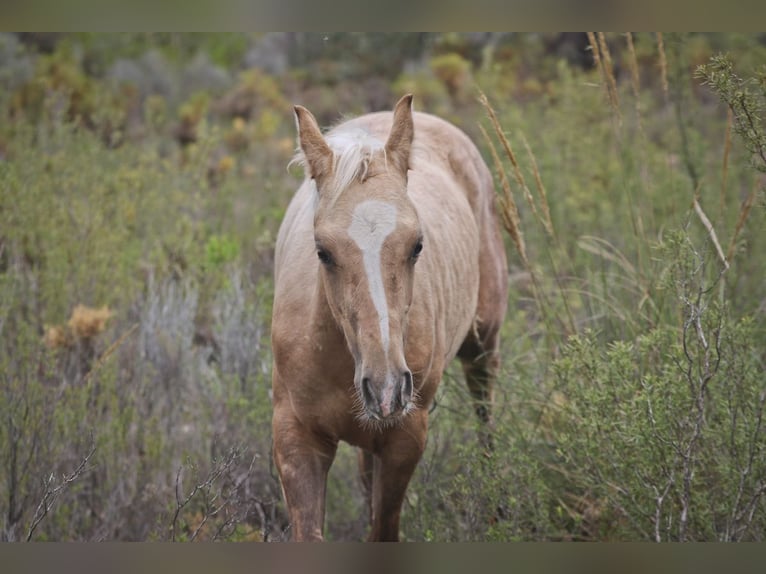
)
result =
(142, 181)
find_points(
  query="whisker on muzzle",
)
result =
(371, 422)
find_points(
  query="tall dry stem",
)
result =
(726, 150)
(635, 81)
(508, 210)
(546, 221)
(508, 152)
(597, 60)
(614, 100)
(663, 66)
(744, 212)
(633, 63)
(510, 215)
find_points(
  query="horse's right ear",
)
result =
(318, 154)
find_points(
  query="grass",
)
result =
(136, 244)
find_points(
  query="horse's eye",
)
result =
(324, 257)
(417, 249)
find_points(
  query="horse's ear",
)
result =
(318, 154)
(400, 139)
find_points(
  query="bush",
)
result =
(136, 248)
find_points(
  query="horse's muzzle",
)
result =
(389, 399)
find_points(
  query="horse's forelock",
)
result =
(353, 150)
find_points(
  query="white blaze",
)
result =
(371, 222)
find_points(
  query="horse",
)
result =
(389, 263)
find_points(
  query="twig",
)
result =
(214, 474)
(711, 232)
(51, 494)
(112, 348)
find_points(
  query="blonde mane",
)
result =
(353, 150)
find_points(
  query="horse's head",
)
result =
(368, 239)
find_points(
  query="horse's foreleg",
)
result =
(365, 475)
(392, 471)
(302, 460)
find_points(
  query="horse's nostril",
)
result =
(407, 388)
(369, 398)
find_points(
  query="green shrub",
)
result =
(136, 250)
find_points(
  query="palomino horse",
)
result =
(389, 263)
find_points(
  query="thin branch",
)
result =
(711, 232)
(205, 486)
(112, 348)
(52, 492)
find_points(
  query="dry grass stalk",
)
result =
(636, 214)
(501, 136)
(510, 214)
(663, 66)
(635, 81)
(633, 62)
(744, 212)
(597, 60)
(508, 210)
(508, 151)
(711, 231)
(546, 221)
(726, 150)
(606, 58)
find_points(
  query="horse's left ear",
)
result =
(400, 139)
